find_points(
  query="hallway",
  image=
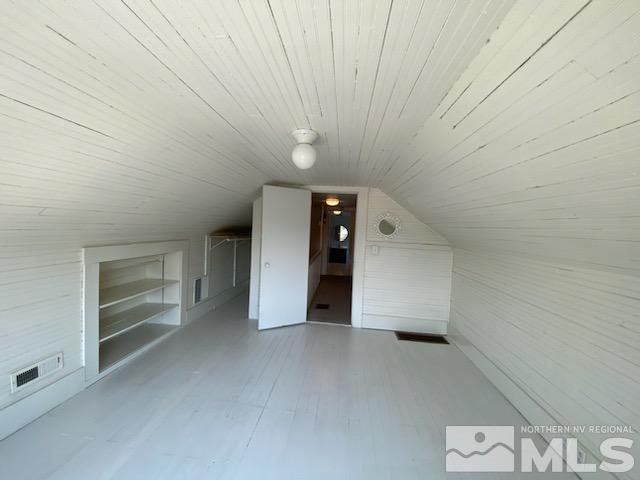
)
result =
(332, 301)
(222, 400)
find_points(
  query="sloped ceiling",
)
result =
(535, 150)
(154, 116)
(116, 111)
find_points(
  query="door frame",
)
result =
(256, 247)
(359, 243)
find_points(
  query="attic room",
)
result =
(320, 239)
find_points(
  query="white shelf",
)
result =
(133, 299)
(117, 349)
(112, 270)
(122, 322)
(127, 291)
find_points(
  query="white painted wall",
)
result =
(566, 337)
(407, 283)
(228, 271)
(41, 298)
(413, 231)
(529, 166)
(222, 259)
(41, 307)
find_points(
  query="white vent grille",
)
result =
(27, 375)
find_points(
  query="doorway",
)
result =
(331, 247)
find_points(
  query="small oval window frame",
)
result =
(391, 218)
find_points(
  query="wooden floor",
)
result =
(334, 291)
(220, 400)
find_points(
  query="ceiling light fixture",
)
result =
(337, 212)
(303, 154)
(332, 201)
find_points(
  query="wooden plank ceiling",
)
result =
(158, 113)
(184, 108)
(535, 150)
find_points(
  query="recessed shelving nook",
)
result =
(133, 298)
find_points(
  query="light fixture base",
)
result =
(304, 135)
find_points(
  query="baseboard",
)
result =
(405, 324)
(202, 308)
(210, 304)
(25, 411)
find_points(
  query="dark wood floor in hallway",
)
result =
(332, 301)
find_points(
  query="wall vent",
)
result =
(28, 375)
(197, 290)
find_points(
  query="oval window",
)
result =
(341, 233)
(385, 227)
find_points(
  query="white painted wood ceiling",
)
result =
(535, 150)
(167, 116)
(186, 107)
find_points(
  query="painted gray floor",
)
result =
(220, 400)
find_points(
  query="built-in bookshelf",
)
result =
(133, 299)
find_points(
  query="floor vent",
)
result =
(421, 337)
(322, 306)
(26, 376)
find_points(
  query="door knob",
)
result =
(267, 265)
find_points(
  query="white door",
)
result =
(284, 270)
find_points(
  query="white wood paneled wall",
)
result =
(529, 166)
(407, 283)
(568, 337)
(41, 304)
(412, 231)
(41, 300)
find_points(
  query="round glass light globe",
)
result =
(303, 156)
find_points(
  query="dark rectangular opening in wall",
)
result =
(197, 290)
(421, 337)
